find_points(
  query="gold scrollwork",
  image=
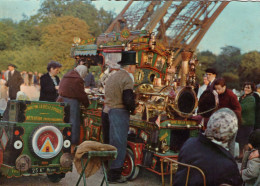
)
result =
(139, 76)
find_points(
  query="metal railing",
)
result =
(174, 163)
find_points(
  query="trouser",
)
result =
(105, 127)
(118, 131)
(74, 119)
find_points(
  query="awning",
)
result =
(84, 50)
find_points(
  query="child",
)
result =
(251, 168)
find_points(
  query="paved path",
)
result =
(145, 178)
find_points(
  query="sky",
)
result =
(238, 25)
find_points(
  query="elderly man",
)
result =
(14, 81)
(119, 103)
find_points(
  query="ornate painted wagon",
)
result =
(35, 139)
(166, 102)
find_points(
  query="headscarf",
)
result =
(222, 126)
(82, 70)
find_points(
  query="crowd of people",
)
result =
(29, 78)
(226, 118)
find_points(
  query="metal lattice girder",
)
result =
(179, 24)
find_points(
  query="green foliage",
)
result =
(228, 60)
(206, 59)
(97, 20)
(232, 80)
(8, 35)
(48, 35)
(27, 59)
(57, 38)
(249, 70)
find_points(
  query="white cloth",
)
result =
(53, 79)
(3, 95)
(82, 70)
(201, 90)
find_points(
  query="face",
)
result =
(82, 63)
(132, 69)
(54, 71)
(10, 68)
(211, 76)
(205, 80)
(220, 89)
(248, 89)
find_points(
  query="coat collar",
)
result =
(221, 149)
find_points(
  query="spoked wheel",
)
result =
(55, 178)
(130, 171)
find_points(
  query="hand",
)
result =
(56, 87)
(254, 154)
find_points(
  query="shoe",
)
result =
(120, 180)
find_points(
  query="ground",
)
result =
(144, 178)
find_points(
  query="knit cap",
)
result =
(222, 125)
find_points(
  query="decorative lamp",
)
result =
(76, 40)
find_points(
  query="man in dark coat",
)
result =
(50, 82)
(208, 152)
(14, 82)
(211, 75)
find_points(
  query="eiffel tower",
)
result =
(179, 24)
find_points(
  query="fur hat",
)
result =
(222, 125)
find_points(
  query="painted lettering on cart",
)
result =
(48, 107)
(39, 118)
(37, 170)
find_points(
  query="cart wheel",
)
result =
(55, 178)
(130, 171)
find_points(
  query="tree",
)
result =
(249, 69)
(232, 80)
(8, 35)
(228, 60)
(206, 59)
(58, 37)
(97, 21)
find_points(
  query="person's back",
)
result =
(210, 155)
(212, 159)
(90, 81)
